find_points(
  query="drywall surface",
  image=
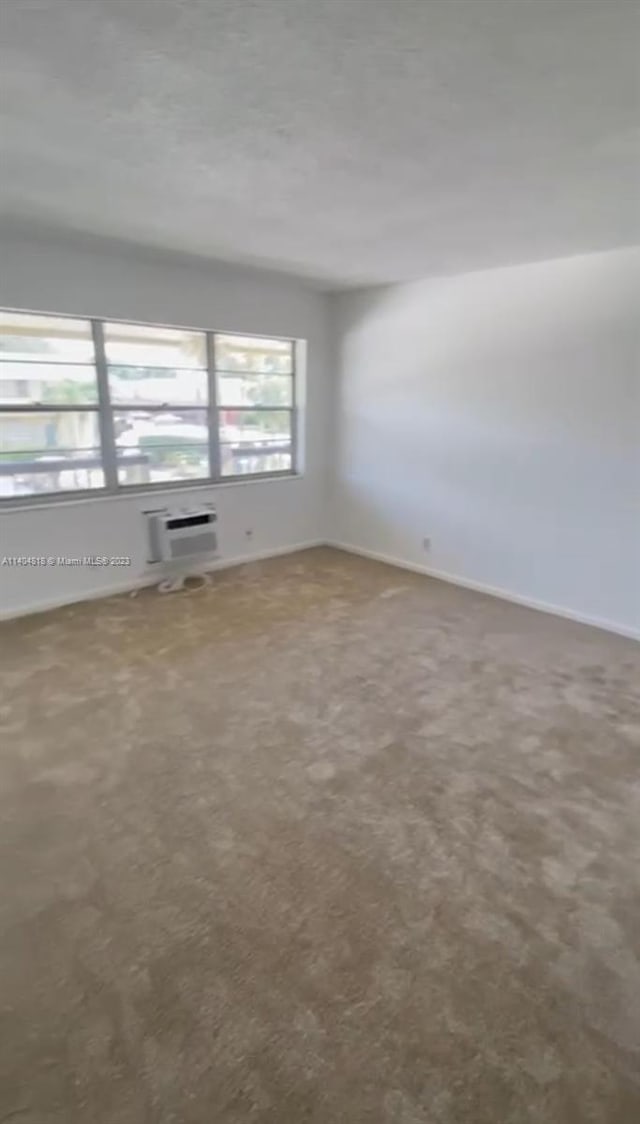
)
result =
(98, 280)
(498, 415)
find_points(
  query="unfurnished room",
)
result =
(319, 562)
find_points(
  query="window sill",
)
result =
(67, 499)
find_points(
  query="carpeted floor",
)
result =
(328, 842)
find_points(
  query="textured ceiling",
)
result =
(348, 140)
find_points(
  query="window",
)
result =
(91, 405)
(255, 385)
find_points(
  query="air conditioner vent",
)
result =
(206, 543)
(177, 523)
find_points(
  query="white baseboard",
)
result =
(149, 578)
(492, 591)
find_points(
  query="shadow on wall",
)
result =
(497, 413)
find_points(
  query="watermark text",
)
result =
(65, 560)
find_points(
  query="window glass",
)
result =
(162, 446)
(157, 386)
(141, 345)
(52, 451)
(255, 390)
(250, 353)
(43, 384)
(44, 339)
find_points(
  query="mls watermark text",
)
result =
(64, 560)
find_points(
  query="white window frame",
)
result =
(105, 410)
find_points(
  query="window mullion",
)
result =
(107, 435)
(213, 414)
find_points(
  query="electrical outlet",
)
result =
(426, 544)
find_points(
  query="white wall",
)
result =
(498, 413)
(99, 279)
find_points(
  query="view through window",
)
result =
(90, 404)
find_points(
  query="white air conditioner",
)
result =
(183, 534)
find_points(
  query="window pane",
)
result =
(47, 382)
(52, 432)
(144, 385)
(49, 452)
(249, 353)
(156, 447)
(130, 425)
(255, 390)
(46, 475)
(255, 441)
(153, 462)
(47, 339)
(142, 345)
(255, 426)
(243, 459)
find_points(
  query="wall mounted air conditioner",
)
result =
(182, 534)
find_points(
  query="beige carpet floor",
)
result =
(328, 842)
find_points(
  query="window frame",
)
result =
(105, 410)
